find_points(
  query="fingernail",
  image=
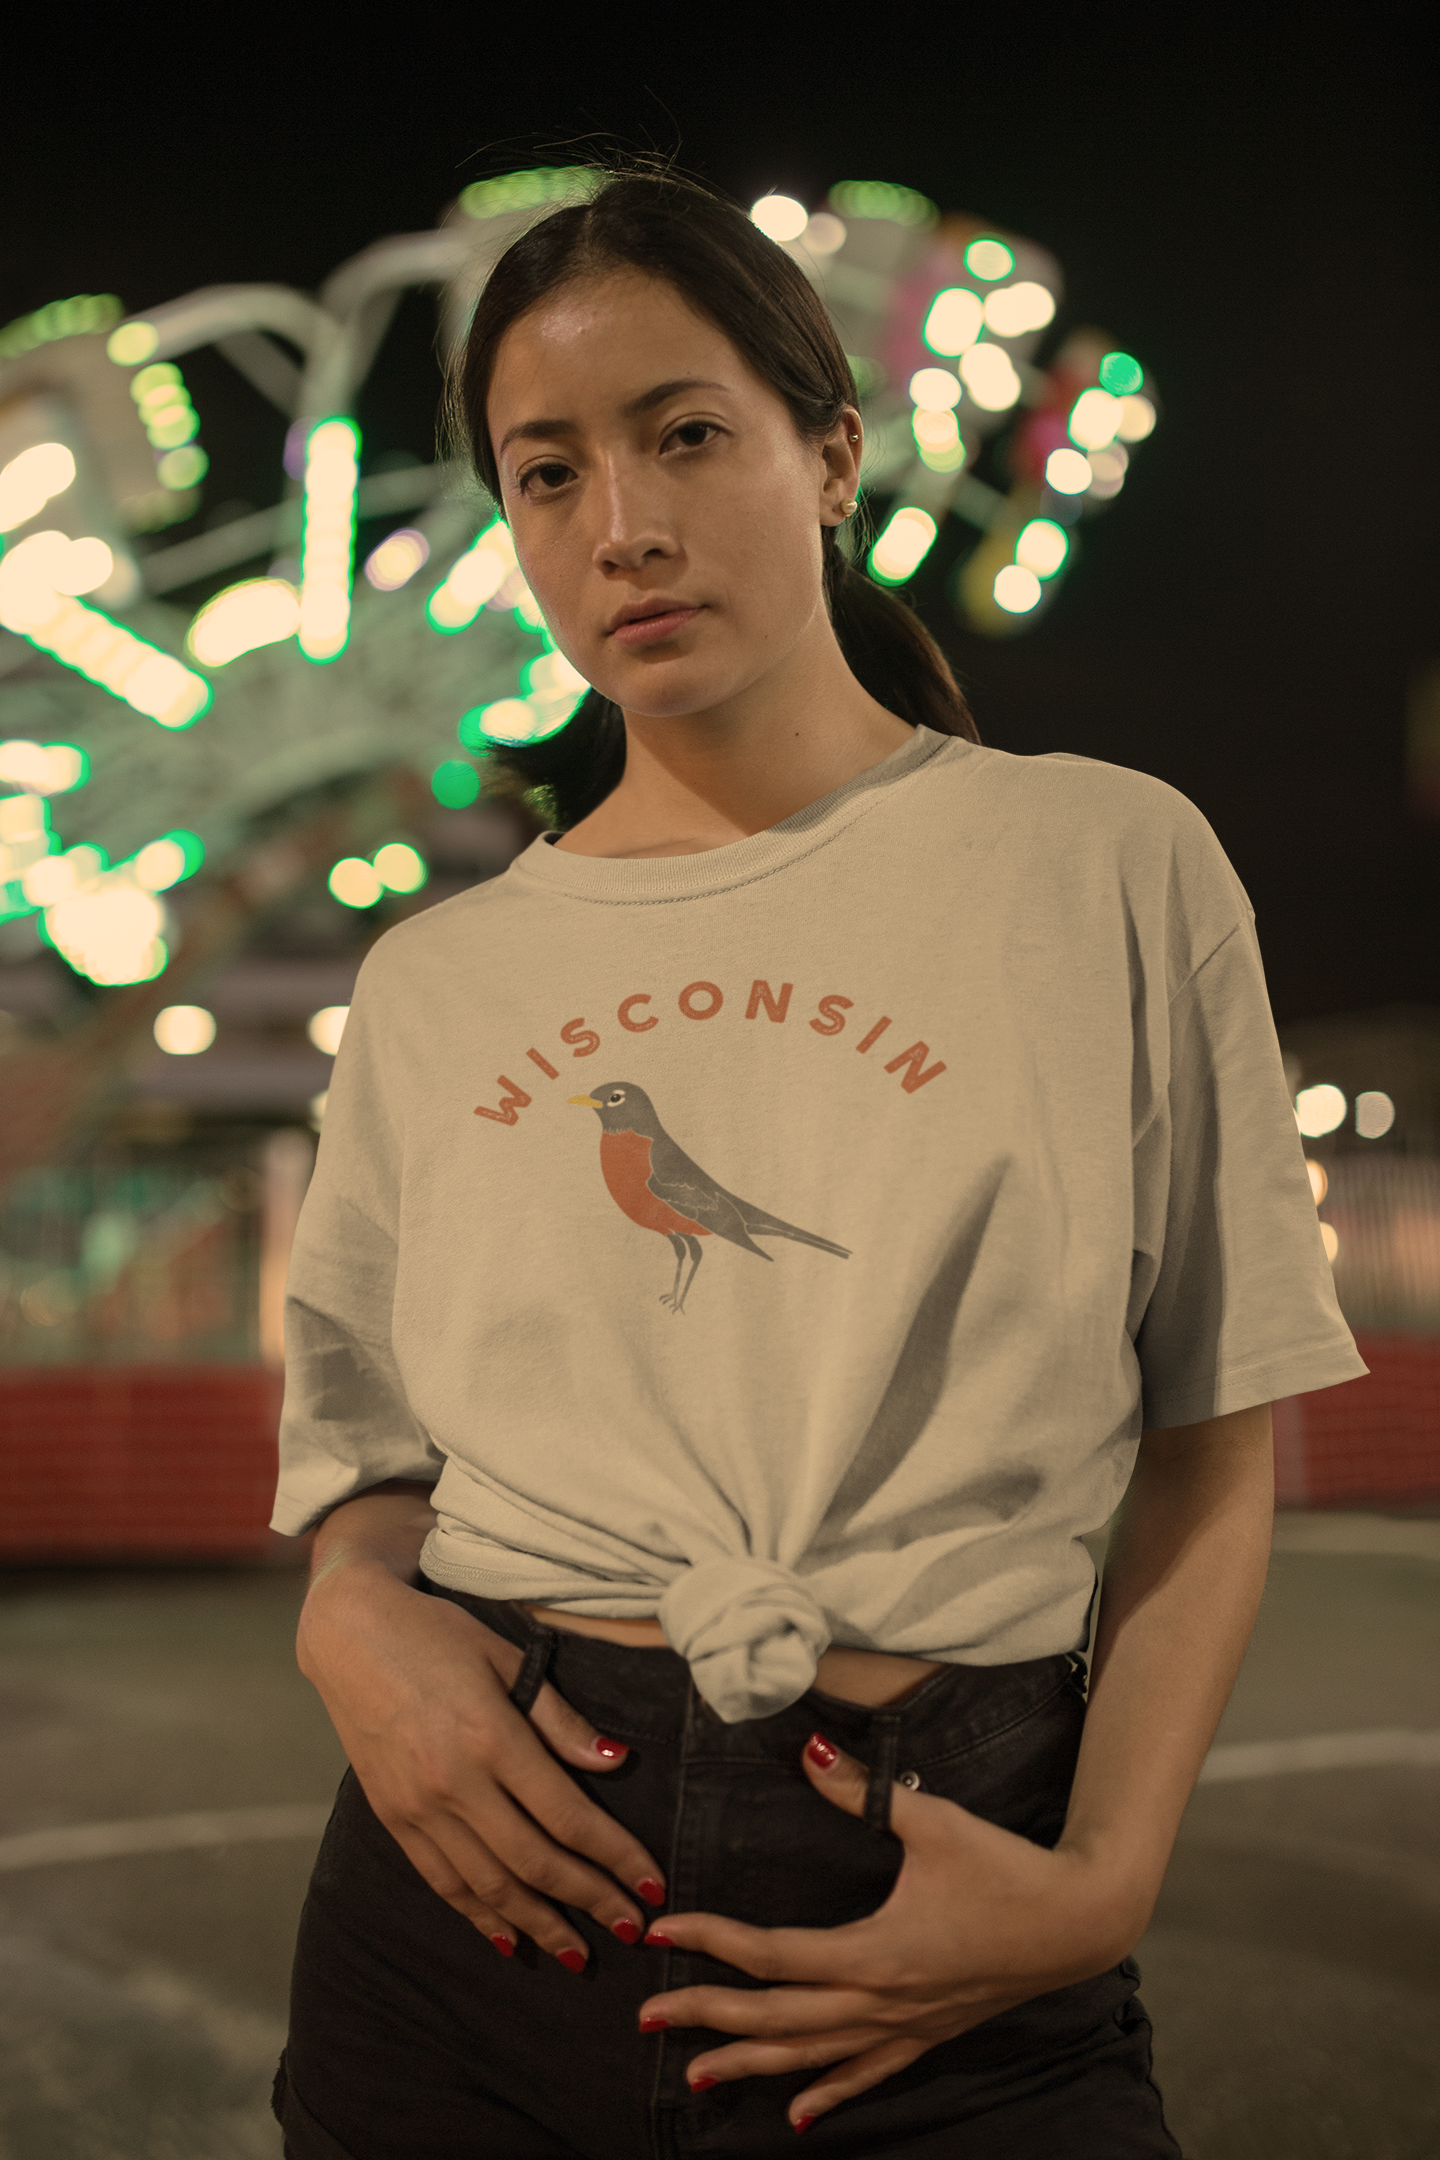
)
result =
(652, 1891)
(573, 1959)
(703, 2082)
(654, 2024)
(804, 2122)
(611, 1750)
(659, 1939)
(626, 1930)
(504, 1945)
(824, 1757)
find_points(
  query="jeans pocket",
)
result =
(1012, 1763)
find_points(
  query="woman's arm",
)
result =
(418, 1692)
(981, 1920)
(1183, 1575)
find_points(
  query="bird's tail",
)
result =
(771, 1226)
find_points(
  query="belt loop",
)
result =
(533, 1665)
(884, 1750)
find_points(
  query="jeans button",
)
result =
(910, 1778)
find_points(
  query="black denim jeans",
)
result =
(410, 2039)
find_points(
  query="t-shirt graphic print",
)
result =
(975, 1054)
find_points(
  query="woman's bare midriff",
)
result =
(868, 1677)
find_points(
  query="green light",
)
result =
(470, 728)
(1120, 374)
(191, 846)
(183, 468)
(989, 259)
(531, 190)
(164, 373)
(455, 784)
(882, 199)
(59, 319)
(132, 342)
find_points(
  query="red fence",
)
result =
(178, 1461)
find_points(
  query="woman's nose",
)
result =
(631, 530)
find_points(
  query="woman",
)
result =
(747, 1242)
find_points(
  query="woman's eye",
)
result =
(550, 477)
(693, 433)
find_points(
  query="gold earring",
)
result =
(848, 509)
(854, 438)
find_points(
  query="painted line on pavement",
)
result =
(1319, 1751)
(160, 1833)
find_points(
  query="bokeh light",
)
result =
(166, 860)
(1137, 418)
(989, 376)
(1374, 1114)
(184, 1030)
(955, 320)
(82, 638)
(989, 259)
(1017, 589)
(326, 1027)
(327, 546)
(132, 343)
(1095, 420)
(1319, 1178)
(1068, 472)
(1319, 1109)
(31, 480)
(182, 468)
(1330, 1239)
(355, 882)
(1042, 547)
(1012, 310)
(400, 867)
(780, 217)
(934, 389)
(50, 769)
(825, 233)
(906, 540)
(397, 559)
(454, 783)
(256, 612)
(477, 576)
(1107, 468)
(1120, 373)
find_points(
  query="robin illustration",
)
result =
(656, 1184)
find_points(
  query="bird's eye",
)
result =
(618, 1096)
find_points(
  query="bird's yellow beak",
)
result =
(586, 1102)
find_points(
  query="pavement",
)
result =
(167, 1771)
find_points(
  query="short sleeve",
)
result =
(346, 1424)
(1241, 1306)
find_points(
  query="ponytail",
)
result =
(726, 268)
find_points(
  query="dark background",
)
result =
(1249, 211)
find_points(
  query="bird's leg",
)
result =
(696, 1255)
(672, 1296)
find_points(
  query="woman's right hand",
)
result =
(472, 1790)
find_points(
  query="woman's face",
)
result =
(664, 509)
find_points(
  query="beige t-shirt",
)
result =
(789, 1241)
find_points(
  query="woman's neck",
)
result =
(702, 780)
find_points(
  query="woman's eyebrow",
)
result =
(542, 430)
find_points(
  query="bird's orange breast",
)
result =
(625, 1164)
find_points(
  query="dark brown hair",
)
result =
(727, 269)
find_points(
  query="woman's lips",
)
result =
(653, 629)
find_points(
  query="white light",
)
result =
(1374, 1114)
(1319, 1180)
(1013, 309)
(934, 389)
(1330, 1239)
(989, 375)
(401, 868)
(184, 1030)
(934, 430)
(29, 481)
(59, 564)
(509, 719)
(1042, 547)
(1095, 420)
(903, 545)
(1068, 472)
(1137, 418)
(989, 259)
(955, 320)
(780, 217)
(397, 559)
(1319, 1109)
(825, 233)
(332, 474)
(355, 882)
(43, 771)
(84, 639)
(88, 563)
(317, 1108)
(1017, 589)
(160, 865)
(326, 1027)
(110, 931)
(477, 576)
(25, 837)
(56, 877)
(1108, 470)
(258, 611)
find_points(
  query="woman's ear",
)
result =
(841, 451)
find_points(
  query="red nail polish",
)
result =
(659, 1940)
(611, 1750)
(504, 1945)
(652, 1892)
(703, 2082)
(824, 1757)
(626, 1930)
(804, 2122)
(574, 1960)
(654, 2024)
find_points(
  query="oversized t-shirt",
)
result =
(789, 1241)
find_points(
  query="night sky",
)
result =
(1252, 215)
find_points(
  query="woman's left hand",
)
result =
(979, 1921)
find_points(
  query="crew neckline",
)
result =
(710, 870)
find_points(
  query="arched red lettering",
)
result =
(512, 1102)
(584, 1039)
(695, 989)
(915, 1058)
(762, 994)
(834, 1019)
(627, 1005)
